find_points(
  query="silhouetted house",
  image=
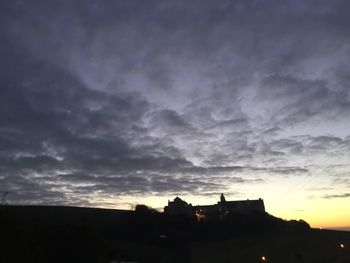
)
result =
(217, 211)
(224, 208)
(241, 207)
(207, 212)
(179, 207)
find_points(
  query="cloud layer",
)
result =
(164, 97)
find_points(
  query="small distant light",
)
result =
(320, 228)
(263, 258)
(342, 245)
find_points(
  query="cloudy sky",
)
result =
(112, 103)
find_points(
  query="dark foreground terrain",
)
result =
(68, 234)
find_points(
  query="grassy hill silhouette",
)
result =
(73, 234)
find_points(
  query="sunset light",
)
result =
(175, 131)
(113, 104)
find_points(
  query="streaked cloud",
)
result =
(162, 97)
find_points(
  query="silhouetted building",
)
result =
(217, 211)
(242, 206)
(178, 207)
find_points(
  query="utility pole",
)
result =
(3, 200)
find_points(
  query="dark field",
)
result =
(313, 246)
(66, 234)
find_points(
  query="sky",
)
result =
(116, 103)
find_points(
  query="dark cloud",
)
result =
(136, 98)
(137, 184)
(169, 122)
(297, 100)
(331, 196)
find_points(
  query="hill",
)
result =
(72, 234)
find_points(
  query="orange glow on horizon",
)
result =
(319, 213)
